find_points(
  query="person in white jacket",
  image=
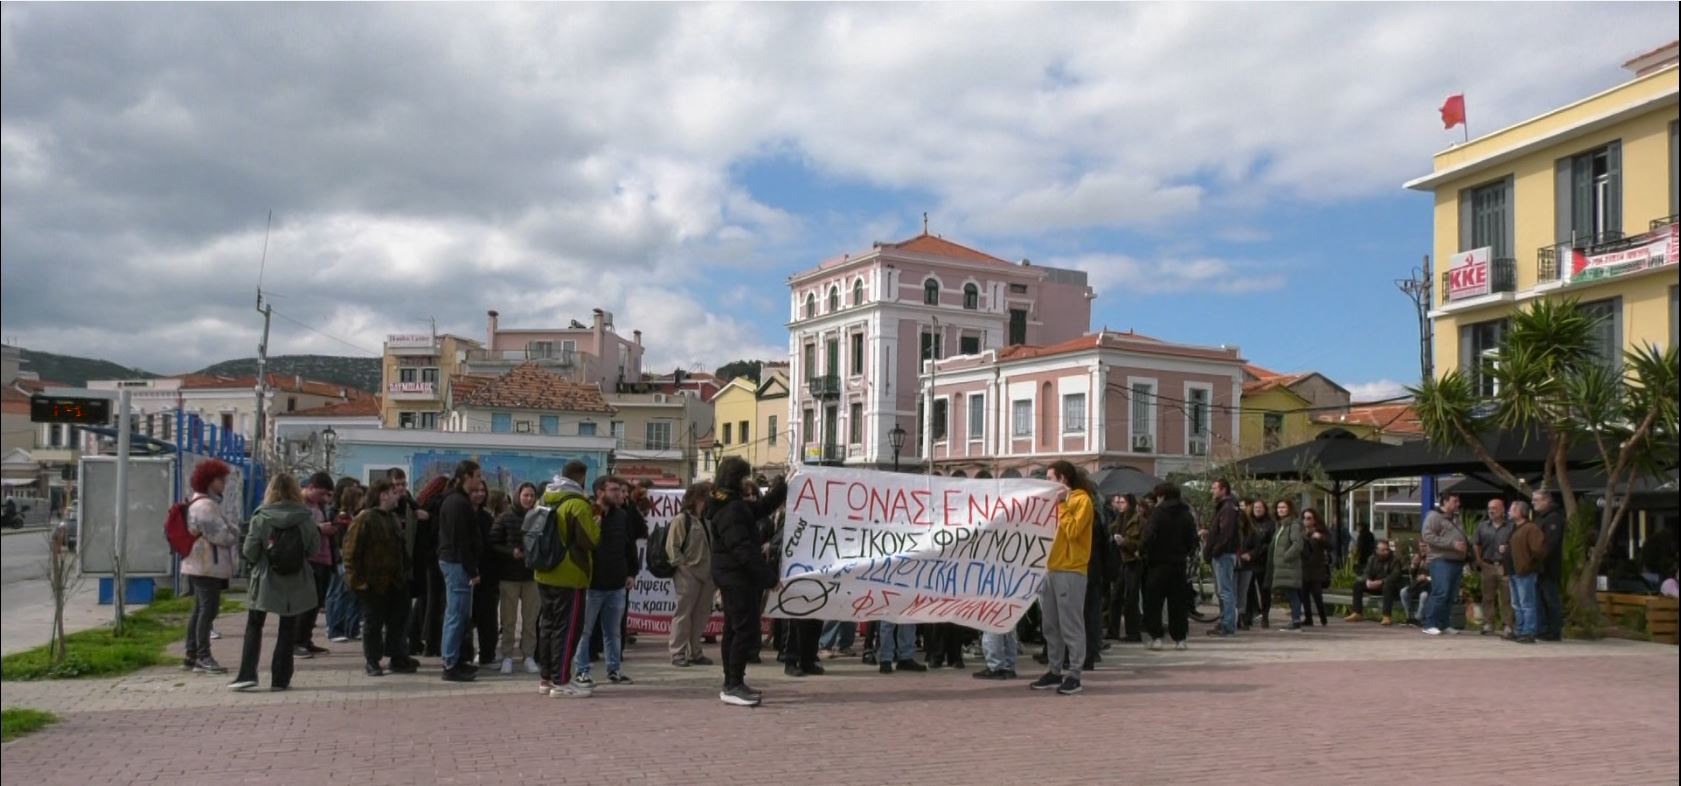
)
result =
(210, 564)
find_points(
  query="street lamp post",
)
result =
(896, 438)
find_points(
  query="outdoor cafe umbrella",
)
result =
(1124, 480)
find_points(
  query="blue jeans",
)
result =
(458, 610)
(1445, 577)
(344, 609)
(838, 635)
(896, 642)
(608, 605)
(1523, 605)
(1000, 650)
(1294, 595)
(1225, 569)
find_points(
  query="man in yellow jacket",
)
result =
(1062, 597)
(561, 589)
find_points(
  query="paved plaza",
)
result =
(1351, 702)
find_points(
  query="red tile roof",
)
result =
(529, 387)
(1398, 419)
(1276, 381)
(934, 246)
(1259, 373)
(278, 382)
(360, 407)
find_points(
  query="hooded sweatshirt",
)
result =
(579, 531)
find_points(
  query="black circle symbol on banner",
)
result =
(802, 597)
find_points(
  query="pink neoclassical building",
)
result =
(861, 326)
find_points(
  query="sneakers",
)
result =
(507, 665)
(886, 668)
(1387, 622)
(793, 670)
(700, 660)
(1069, 687)
(1525, 639)
(242, 685)
(739, 696)
(188, 664)
(1048, 682)
(619, 678)
(989, 674)
(826, 654)
(531, 666)
(1487, 629)
(1155, 645)
(459, 675)
(1180, 646)
(1354, 618)
(572, 691)
(1294, 627)
(409, 666)
(680, 662)
(583, 680)
(302, 653)
(215, 634)
(208, 666)
(911, 665)
(1432, 631)
(339, 639)
(314, 650)
(373, 670)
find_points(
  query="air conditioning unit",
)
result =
(523, 427)
(1199, 446)
(1143, 443)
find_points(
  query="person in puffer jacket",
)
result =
(210, 564)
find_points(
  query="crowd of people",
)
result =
(445, 574)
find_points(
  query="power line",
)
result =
(330, 336)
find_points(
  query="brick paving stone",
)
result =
(1353, 701)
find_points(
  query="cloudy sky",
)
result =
(1227, 173)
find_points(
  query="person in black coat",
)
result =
(460, 544)
(487, 595)
(1103, 570)
(1170, 538)
(1257, 555)
(426, 618)
(741, 569)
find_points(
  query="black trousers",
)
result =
(280, 665)
(1094, 621)
(1132, 585)
(487, 606)
(306, 621)
(1260, 597)
(1312, 597)
(384, 617)
(1164, 582)
(560, 619)
(741, 631)
(1391, 590)
(801, 647)
(426, 619)
(944, 642)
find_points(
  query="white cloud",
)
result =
(1377, 390)
(1117, 274)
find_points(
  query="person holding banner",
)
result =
(741, 571)
(1062, 598)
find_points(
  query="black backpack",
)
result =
(285, 551)
(540, 533)
(659, 563)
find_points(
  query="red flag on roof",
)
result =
(1453, 111)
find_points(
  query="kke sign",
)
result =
(869, 546)
(1468, 276)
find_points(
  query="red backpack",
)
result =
(181, 539)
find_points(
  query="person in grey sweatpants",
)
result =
(1062, 597)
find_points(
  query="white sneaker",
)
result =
(1452, 631)
(531, 666)
(570, 692)
(1432, 631)
(339, 639)
(507, 665)
(1180, 645)
(544, 689)
(1155, 644)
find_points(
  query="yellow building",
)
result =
(750, 420)
(1579, 202)
(416, 372)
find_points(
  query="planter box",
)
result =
(1661, 613)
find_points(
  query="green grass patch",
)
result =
(101, 653)
(16, 722)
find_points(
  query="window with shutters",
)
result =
(1143, 402)
(940, 410)
(1607, 316)
(1490, 213)
(770, 431)
(1018, 326)
(858, 292)
(857, 367)
(855, 425)
(968, 345)
(1479, 348)
(810, 306)
(971, 297)
(729, 429)
(977, 416)
(1021, 418)
(1591, 198)
(834, 299)
(1074, 413)
(808, 423)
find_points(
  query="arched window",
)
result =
(971, 297)
(810, 306)
(858, 292)
(930, 292)
(834, 299)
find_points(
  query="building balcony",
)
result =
(1607, 255)
(412, 391)
(825, 453)
(824, 387)
(547, 358)
(1461, 283)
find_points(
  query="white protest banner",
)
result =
(879, 546)
(653, 599)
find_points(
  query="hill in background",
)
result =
(353, 372)
(74, 371)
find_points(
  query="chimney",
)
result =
(298, 382)
(600, 320)
(490, 340)
(637, 334)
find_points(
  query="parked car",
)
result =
(13, 515)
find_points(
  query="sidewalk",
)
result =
(1579, 712)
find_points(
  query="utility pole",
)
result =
(125, 421)
(262, 349)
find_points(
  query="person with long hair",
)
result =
(286, 531)
(344, 611)
(516, 587)
(1124, 600)
(426, 619)
(459, 547)
(1062, 598)
(1316, 565)
(376, 568)
(487, 594)
(1258, 556)
(1243, 573)
(689, 548)
(210, 564)
(741, 570)
(318, 499)
(1284, 570)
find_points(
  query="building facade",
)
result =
(657, 437)
(861, 325)
(1101, 400)
(306, 441)
(527, 400)
(750, 420)
(1579, 202)
(591, 354)
(416, 372)
(227, 403)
